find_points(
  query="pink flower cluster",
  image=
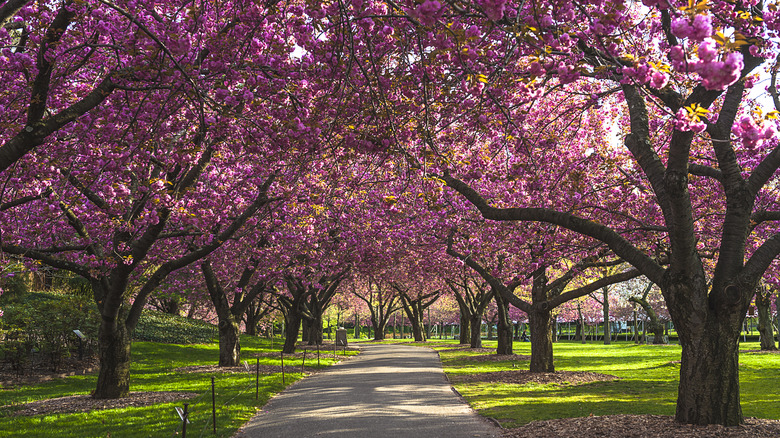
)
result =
(493, 8)
(715, 74)
(645, 74)
(427, 12)
(685, 121)
(697, 29)
(751, 134)
(662, 4)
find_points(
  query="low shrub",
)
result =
(172, 329)
(39, 328)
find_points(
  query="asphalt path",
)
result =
(386, 391)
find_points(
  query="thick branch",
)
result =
(620, 246)
(217, 241)
(34, 134)
(48, 259)
(594, 286)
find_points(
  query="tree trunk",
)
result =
(709, 378)
(465, 333)
(658, 333)
(250, 327)
(578, 335)
(540, 323)
(313, 330)
(292, 324)
(765, 331)
(476, 331)
(504, 326)
(379, 330)
(305, 329)
(417, 331)
(229, 343)
(114, 346)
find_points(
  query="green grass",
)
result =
(647, 385)
(153, 369)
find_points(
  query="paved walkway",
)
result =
(394, 391)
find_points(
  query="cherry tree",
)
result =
(160, 175)
(674, 77)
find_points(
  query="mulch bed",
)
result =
(463, 347)
(85, 403)
(40, 372)
(639, 426)
(524, 376)
(496, 357)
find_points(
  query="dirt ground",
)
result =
(640, 426)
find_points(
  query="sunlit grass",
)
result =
(153, 369)
(648, 378)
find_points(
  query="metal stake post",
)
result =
(184, 421)
(213, 406)
(257, 378)
(282, 354)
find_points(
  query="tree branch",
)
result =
(620, 246)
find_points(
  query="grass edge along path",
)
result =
(154, 369)
(647, 382)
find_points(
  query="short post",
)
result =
(282, 354)
(81, 343)
(184, 421)
(303, 363)
(318, 354)
(213, 406)
(257, 378)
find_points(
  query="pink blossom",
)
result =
(699, 29)
(493, 8)
(688, 122)
(658, 79)
(750, 134)
(720, 74)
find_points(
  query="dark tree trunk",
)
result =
(540, 323)
(708, 321)
(292, 324)
(476, 331)
(465, 332)
(653, 324)
(578, 335)
(114, 347)
(379, 329)
(250, 326)
(504, 326)
(229, 343)
(765, 331)
(313, 330)
(709, 378)
(305, 327)
(417, 330)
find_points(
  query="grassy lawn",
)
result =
(647, 385)
(153, 370)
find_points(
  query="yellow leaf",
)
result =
(772, 115)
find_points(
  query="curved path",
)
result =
(386, 391)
